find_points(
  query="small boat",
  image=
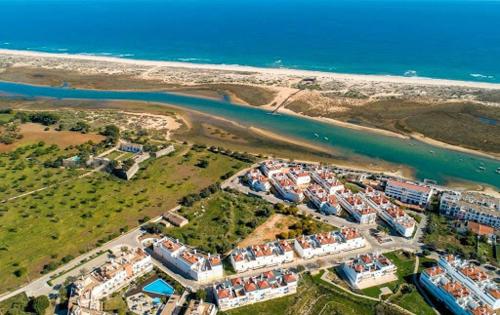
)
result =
(316, 135)
(432, 151)
(481, 168)
(498, 170)
(326, 138)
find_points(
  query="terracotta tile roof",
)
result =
(250, 286)
(480, 229)
(238, 257)
(325, 238)
(236, 282)
(303, 242)
(409, 186)
(263, 284)
(456, 289)
(268, 275)
(495, 293)
(366, 259)
(223, 293)
(190, 258)
(350, 233)
(289, 278)
(482, 310)
(434, 271)
(214, 260)
(286, 246)
(474, 273)
(171, 245)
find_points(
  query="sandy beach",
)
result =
(282, 85)
(240, 68)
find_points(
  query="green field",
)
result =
(22, 170)
(41, 230)
(314, 296)
(4, 118)
(219, 222)
(411, 300)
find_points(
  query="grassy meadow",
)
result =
(39, 231)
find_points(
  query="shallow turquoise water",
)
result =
(454, 39)
(159, 287)
(428, 161)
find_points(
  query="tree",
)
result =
(81, 126)
(127, 164)
(40, 304)
(112, 133)
(201, 295)
(20, 272)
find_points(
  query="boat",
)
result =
(481, 168)
(432, 151)
(498, 170)
(326, 138)
(316, 135)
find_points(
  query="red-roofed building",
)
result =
(243, 291)
(408, 192)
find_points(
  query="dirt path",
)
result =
(268, 230)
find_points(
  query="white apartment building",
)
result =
(409, 193)
(368, 270)
(469, 206)
(322, 200)
(356, 206)
(299, 175)
(390, 213)
(131, 147)
(243, 291)
(257, 180)
(259, 256)
(326, 179)
(309, 246)
(194, 264)
(464, 288)
(106, 279)
(287, 188)
(271, 167)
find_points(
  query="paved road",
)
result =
(40, 285)
(397, 242)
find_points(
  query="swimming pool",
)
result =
(160, 287)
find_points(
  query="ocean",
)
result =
(450, 39)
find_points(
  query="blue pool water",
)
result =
(159, 287)
(453, 39)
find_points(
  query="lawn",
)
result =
(64, 221)
(405, 265)
(115, 303)
(219, 222)
(412, 300)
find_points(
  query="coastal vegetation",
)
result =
(471, 125)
